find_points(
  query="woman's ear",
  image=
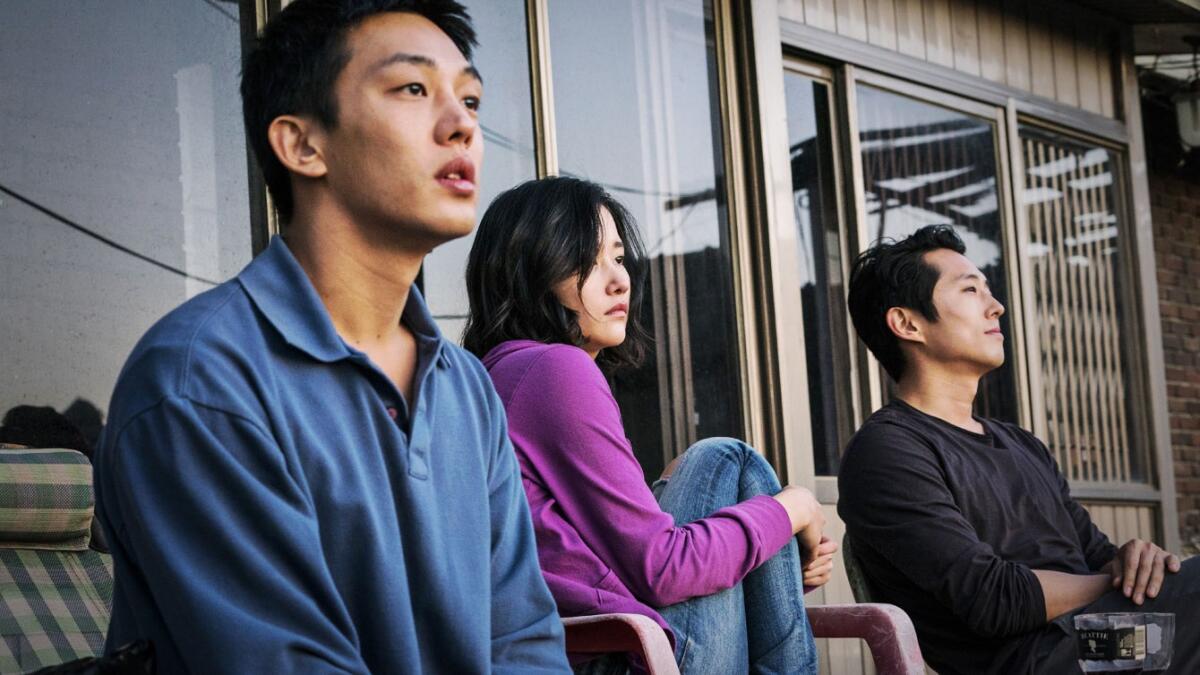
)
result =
(904, 324)
(298, 143)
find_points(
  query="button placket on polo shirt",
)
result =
(423, 413)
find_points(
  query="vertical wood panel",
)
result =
(910, 28)
(881, 23)
(1016, 46)
(1146, 529)
(1122, 522)
(1101, 515)
(939, 38)
(851, 19)
(1087, 64)
(792, 10)
(1066, 84)
(1041, 50)
(1127, 516)
(965, 36)
(991, 40)
(1108, 89)
(820, 14)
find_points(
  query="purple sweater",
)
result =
(603, 542)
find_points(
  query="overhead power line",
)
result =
(99, 237)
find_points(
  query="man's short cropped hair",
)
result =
(293, 67)
(895, 274)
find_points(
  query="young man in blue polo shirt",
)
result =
(966, 523)
(300, 473)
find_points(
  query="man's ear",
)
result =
(904, 324)
(298, 143)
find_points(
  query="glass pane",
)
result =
(508, 158)
(1076, 230)
(123, 189)
(822, 292)
(923, 165)
(643, 121)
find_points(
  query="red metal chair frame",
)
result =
(887, 630)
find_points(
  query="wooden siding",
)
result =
(1065, 54)
(1124, 521)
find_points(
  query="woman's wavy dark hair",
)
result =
(531, 238)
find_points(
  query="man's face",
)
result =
(405, 153)
(967, 331)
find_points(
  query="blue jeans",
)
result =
(760, 624)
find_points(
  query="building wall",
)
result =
(1175, 204)
(1175, 211)
(1050, 49)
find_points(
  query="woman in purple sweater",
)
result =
(554, 280)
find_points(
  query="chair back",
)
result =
(858, 581)
(55, 592)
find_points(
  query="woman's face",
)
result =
(602, 305)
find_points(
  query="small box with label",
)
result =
(1124, 641)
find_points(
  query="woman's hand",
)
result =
(808, 520)
(818, 570)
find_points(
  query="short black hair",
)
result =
(292, 68)
(533, 237)
(895, 274)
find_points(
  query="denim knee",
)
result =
(721, 447)
(753, 467)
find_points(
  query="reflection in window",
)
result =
(123, 189)
(923, 165)
(506, 120)
(634, 84)
(822, 292)
(1074, 247)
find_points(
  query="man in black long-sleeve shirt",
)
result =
(967, 523)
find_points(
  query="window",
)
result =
(1076, 229)
(636, 111)
(822, 291)
(925, 164)
(123, 189)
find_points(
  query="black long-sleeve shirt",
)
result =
(949, 524)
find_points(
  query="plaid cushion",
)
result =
(46, 499)
(54, 607)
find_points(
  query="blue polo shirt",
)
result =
(274, 506)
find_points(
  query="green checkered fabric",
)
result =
(54, 607)
(55, 593)
(46, 499)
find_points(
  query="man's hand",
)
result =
(1139, 567)
(818, 570)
